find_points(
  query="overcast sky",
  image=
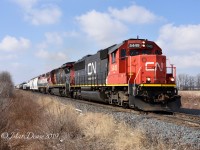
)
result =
(39, 35)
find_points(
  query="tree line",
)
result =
(188, 82)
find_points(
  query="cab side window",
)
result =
(157, 52)
(114, 57)
(123, 53)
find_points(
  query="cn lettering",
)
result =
(92, 68)
(152, 66)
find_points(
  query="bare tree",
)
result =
(197, 81)
(182, 81)
(188, 82)
(191, 82)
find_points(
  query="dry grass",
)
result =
(190, 99)
(76, 131)
(23, 112)
(22, 116)
(128, 138)
(97, 125)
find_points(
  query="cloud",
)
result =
(51, 39)
(101, 26)
(45, 14)
(54, 56)
(54, 38)
(26, 4)
(181, 44)
(187, 60)
(10, 43)
(108, 27)
(133, 14)
(47, 48)
(182, 38)
(48, 53)
(8, 57)
(71, 34)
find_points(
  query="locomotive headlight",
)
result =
(172, 79)
(148, 79)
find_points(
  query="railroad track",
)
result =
(183, 119)
(175, 117)
(191, 119)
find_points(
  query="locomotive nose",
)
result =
(153, 69)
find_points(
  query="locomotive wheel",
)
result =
(125, 105)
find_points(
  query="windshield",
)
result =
(139, 52)
(134, 52)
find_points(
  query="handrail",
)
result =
(129, 77)
(136, 77)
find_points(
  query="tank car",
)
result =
(34, 84)
(42, 83)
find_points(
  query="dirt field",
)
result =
(190, 99)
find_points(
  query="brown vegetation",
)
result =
(58, 126)
(6, 85)
(190, 99)
(73, 130)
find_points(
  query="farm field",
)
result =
(190, 99)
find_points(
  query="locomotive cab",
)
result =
(140, 64)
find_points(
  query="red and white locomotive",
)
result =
(131, 74)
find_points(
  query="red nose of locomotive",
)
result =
(149, 69)
(153, 69)
(147, 65)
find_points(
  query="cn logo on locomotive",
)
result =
(92, 68)
(152, 66)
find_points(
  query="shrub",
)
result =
(6, 85)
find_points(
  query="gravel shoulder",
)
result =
(169, 133)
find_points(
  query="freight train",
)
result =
(132, 74)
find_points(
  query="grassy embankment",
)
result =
(33, 122)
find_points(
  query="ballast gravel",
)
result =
(156, 130)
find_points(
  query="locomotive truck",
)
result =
(132, 74)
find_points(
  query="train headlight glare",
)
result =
(148, 79)
(172, 79)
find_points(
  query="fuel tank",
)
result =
(94, 95)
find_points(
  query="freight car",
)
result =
(131, 74)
